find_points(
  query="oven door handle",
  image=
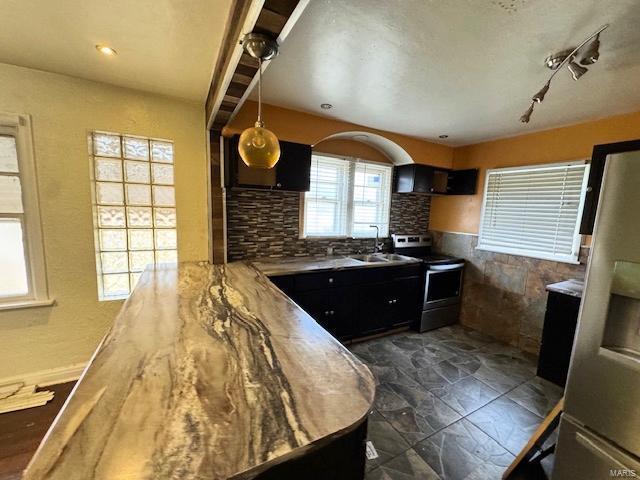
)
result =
(442, 268)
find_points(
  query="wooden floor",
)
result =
(22, 431)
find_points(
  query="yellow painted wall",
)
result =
(462, 214)
(63, 111)
(306, 128)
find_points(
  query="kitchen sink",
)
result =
(371, 258)
(393, 257)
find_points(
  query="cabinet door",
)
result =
(462, 182)
(404, 175)
(317, 305)
(284, 283)
(406, 302)
(375, 309)
(293, 170)
(344, 311)
(558, 332)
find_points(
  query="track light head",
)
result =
(539, 97)
(592, 53)
(576, 70)
(526, 116)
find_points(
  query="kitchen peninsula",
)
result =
(211, 372)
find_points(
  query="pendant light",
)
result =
(259, 147)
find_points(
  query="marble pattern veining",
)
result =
(208, 372)
(289, 265)
(572, 287)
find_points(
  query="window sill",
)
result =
(519, 253)
(17, 305)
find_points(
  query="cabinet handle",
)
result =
(331, 280)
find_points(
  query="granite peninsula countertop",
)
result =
(289, 265)
(208, 372)
(572, 287)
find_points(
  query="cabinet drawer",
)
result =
(386, 274)
(316, 281)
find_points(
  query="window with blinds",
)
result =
(347, 197)
(534, 211)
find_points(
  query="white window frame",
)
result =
(19, 126)
(353, 161)
(577, 237)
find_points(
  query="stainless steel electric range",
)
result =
(442, 281)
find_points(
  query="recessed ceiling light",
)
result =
(326, 106)
(443, 136)
(106, 50)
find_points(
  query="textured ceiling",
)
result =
(164, 46)
(466, 68)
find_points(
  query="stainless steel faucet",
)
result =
(377, 247)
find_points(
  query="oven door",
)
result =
(443, 285)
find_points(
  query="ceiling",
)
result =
(465, 68)
(164, 46)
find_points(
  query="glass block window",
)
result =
(135, 209)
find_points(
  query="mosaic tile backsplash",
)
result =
(266, 224)
(503, 295)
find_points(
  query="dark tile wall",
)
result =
(504, 296)
(266, 224)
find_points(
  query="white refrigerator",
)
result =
(600, 428)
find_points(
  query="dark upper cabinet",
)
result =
(291, 173)
(416, 178)
(594, 183)
(462, 182)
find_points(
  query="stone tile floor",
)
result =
(450, 404)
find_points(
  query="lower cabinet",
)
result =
(559, 330)
(355, 303)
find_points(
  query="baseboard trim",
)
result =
(19, 392)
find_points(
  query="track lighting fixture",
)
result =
(567, 57)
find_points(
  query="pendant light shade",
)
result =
(259, 147)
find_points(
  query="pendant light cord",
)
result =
(260, 90)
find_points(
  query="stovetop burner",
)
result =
(419, 246)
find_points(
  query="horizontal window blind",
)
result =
(534, 211)
(347, 197)
(371, 199)
(326, 201)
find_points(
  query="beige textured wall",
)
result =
(63, 110)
